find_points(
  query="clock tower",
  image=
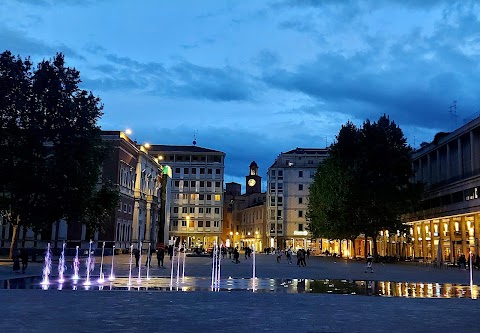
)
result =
(253, 180)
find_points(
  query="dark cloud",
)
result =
(183, 79)
(24, 45)
(414, 78)
(217, 84)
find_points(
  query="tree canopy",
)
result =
(365, 184)
(50, 145)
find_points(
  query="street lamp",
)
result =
(231, 239)
(128, 131)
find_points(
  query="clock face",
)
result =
(251, 182)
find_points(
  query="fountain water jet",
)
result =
(112, 276)
(47, 266)
(139, 279)
(149, 259)
(216, 264)
(172, 263)
(61, 265)
(130, 268)
(102, 277)
(183, 264)
(89, 264)
(76, 265)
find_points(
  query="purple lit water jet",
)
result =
(61, 265)
(47, 266)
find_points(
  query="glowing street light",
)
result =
(128, 131)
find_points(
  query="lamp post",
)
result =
(231, 239)
(236, 234)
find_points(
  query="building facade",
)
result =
(137, 175)
(288, 183)
(448, 225)
(246, 213)
(196, 205)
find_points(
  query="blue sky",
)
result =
(254, 78)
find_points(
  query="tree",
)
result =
(365, 182)
(51, 146)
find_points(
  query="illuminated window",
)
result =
(191, 224)
(217, 197)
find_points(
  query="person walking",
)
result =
(369, 263)
(279, 255)
(136, 253)
(24, 258)
(300, 257)
(289, 255)
(170, 252)
(160, 256)
(236, 255)
(16, 261)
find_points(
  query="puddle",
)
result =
(190, 284)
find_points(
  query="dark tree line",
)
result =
(365, 184)
(51, 147)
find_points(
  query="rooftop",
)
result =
(182, 149)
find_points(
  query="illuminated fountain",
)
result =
(130, 266)
(183, 264)
(47, 266)
(139, 279)
(61, 265)
(216, 264)
(102, 278)
(76, 265)
(149, 259)
(89, 264)
(112, 276)
(172, 267)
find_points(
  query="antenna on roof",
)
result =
(194, 138)
(453, 112)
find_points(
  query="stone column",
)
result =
(424, 240)
(416, 244)
(463, 230)
(439, 171)
(459, 157)
(448, 161)
(451, 227)
(433, 249)
(441, 234)
(472, 152)
(148, 224)
(135, 222)
(476, 230)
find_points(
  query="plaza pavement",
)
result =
(123, 311)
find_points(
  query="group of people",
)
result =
(20, 256)
(160, 252)
(302, 255)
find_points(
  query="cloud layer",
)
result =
(256, 78)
